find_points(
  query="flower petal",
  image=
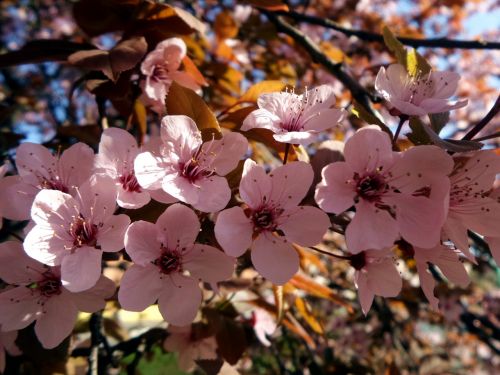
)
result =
(16, 267)
(76, 164)
(335, 193)
(290, 183)
(214, 194)
(368, 149)
(255, 185)
(304, 225)
(111, 235)
(208, 263)
(94, 299)
(132, 199)
(178, 226)
(17, 198)
(142, 242)
(179, 302)
(233, 231)
(140, 287)
(274, 258)
(19, 307)
(150, 170)
(81, 269)
(32, 158)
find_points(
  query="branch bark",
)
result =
(481, 124)
(376, 37)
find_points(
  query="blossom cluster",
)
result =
(416, 203)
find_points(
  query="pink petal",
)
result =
(180, 300)
(57, 321)
(300, 137)
(290, 183)
(214, 194)
(228, 152)
(150, 170)
(174, 50)
(185, 79)
(445, 84)
(304, 225)
(451, 266)
(81, 269)
(456, 232)
(54, 207)
(396, 76)
(94, 299)
(142, 242)
(111, 236)
(208, 263)
(365, 294)
(181, 188)
(178, 227)
(97, 197)
(162, 197)
(335, 193)
(324, 120)
(15, 266)
(140, 287)
(368, 149)
(407, 108)
(383, 278)
(275, 102)
(132, 199)
(268, 251)
(76, 164)
(34, 158)
(117, 149)
(44, 244)
(261, 118)
(432, 105)
(371, 228)
(17, 198)
(180, 134)
(255, 185)
(419, 219)
(233, 231)
(427, 282)
(18, 308)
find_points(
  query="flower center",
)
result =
(48, 287)
(358, 261)
(169, 262)
(129, 183)
(264, 219)
(84, 233)
(192, 170)
(370, 187)
(418, 88)
(160, 73)
(54, 184)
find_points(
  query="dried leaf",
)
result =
(279, 302)
(272, 5)
(225, 26)
(304, 310)
(253, 93)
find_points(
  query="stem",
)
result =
(287, 150)
(329, 254)
(402, 120)
(486, 137)
(95, 323)
(481, 124)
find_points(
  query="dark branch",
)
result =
(375, 37)
(359, 93)
(481, 124)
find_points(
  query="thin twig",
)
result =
(376, 37)
(359, 93)
(481, 124)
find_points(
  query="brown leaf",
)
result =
(190, 67)
(92, 60)
(184, 101)
(225, 26)
(272, 5)
(304, 310)
(279, 302)
(253, 93)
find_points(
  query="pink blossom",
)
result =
(73, 232)
(161, 67)
(273, 220)
(7, 344)
(37, 294)
(420, 95)
(263, 325)
(189, 169)
(293, 118)
(168, 265)
(3, 170)
(185, 341)
(394, 193)
(39, 169)
(117, 152)
(449, 264)
(472, 204)
(375, 274)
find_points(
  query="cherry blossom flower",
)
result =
(185, 341)
(447, 261)
(375, 274)
(39, 169)
(263, 324)
(37, 294)
(273, 220)
(296, 118)
(472, 204)
(189, 169)
(161, 67)
(73, 232)
(117, 152)
(168, 265)
(394, 193)
(7, 344)
(418, 95)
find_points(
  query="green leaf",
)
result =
(418, 134)
(439, 120)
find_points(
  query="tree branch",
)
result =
(359, 93)
(376, 37)
(481, 124)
